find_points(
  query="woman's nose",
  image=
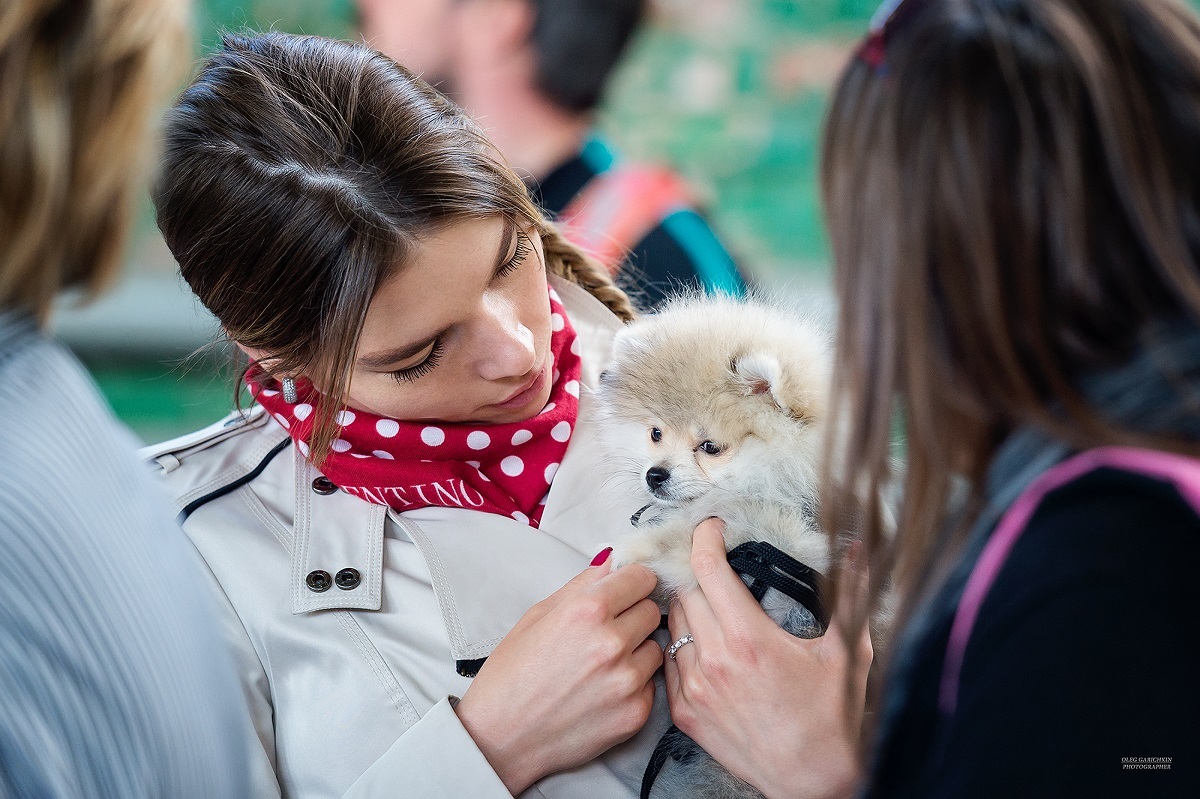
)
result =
(508, 348)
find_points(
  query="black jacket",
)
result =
(1083, 659)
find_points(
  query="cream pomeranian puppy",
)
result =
(717, 407)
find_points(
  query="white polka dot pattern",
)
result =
(413, 464)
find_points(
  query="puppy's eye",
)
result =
(709, 448)
(655, 434)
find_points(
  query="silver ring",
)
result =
(682, 642)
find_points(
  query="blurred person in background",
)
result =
(533, 73)
(114, 678)
(1013, 196)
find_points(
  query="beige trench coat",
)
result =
(349, 690)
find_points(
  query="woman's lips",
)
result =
(525, 395)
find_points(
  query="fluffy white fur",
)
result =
(751, 380)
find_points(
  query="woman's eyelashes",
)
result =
(410, 373)
(519, 255)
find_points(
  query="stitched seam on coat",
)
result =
(375, 552)
(300, 532)
(260, 511)
(377, 664)
(224, 477)
(227, 475)
(438, 573)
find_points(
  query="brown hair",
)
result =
(1013, 196)
(299, 171)
(78, 82)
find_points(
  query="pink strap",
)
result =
(1182, 472)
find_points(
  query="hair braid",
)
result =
(568, 261)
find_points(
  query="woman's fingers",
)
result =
(731, 602)
(647, 658)
(676, 623)
(626, 586)
(637, 623)
(578, 669)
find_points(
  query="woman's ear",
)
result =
(260, 357)
(256, 355)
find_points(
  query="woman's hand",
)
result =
(766, 705)
(572, 679)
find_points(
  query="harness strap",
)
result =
(1182, 472)
(674, 745)
(770, 567)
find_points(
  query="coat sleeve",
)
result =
(419, 765)
(256, 689)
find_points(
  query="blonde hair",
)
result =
(78, 82)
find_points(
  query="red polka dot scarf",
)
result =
(495, 468)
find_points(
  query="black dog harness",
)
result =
(763, 567)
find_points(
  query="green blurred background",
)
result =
(731, 92)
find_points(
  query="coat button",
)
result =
(347, 579)
(324, 486)
(318, 581)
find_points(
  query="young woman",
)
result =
(1013, 193)
(392, 525)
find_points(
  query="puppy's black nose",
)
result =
(656, 476)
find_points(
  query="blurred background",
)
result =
(729, 92)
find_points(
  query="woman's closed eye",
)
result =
(519, 255)
(410, 373)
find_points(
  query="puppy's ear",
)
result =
(759, 373)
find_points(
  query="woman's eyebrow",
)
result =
(408, 350)
(399, 354)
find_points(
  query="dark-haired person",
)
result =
(391, 525)
(1014, 207)
(533, 73)
(113, 678)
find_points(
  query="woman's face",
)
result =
(462, 332)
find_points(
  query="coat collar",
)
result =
(462, 548)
